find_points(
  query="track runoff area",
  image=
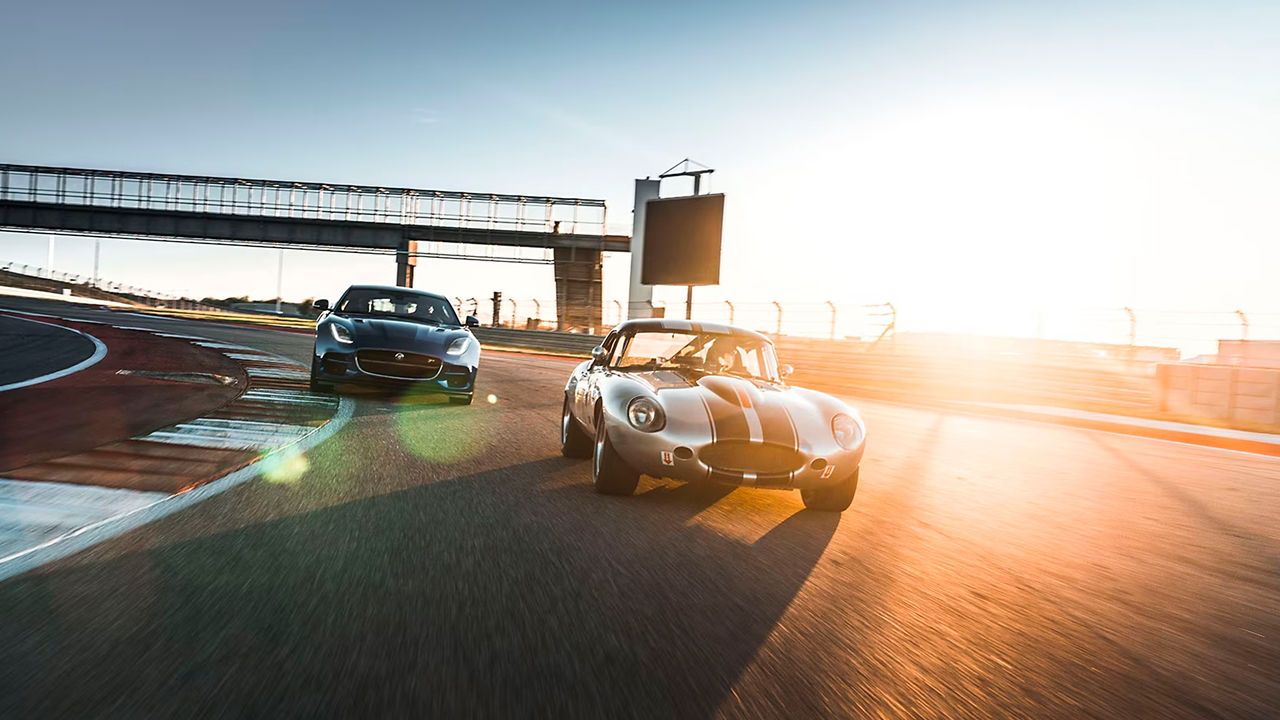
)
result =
(435, 559)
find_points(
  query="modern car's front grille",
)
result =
(457, 376)
(397, 364)
(335, 363)
(739, 456)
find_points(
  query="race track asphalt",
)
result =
(433, 560)
(32, 349)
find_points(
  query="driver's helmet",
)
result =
(723, 354)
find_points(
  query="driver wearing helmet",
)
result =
(724, 356)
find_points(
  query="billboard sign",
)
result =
(682, 240)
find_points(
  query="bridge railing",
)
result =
(301, 200)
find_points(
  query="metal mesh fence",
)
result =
(1133, 332)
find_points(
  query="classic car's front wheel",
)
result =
(574, 442)
(609, 472)
(835, 498)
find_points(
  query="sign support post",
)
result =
(697, 187)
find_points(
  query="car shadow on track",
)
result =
(486, 595)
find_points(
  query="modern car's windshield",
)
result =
(406, 305)
(713, 353)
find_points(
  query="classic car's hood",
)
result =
(737, 409)
(403, 334)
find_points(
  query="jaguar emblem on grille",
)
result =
(399, 356)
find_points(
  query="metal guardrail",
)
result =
(561, 342)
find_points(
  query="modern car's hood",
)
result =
(402, 334)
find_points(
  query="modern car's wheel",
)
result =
(609, 472)
(834, 498)
(574, 442)
(460, 400)
(316, 385)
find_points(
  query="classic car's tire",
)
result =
(609, 472)
(316, 385)
(574, 443)
(835, 498)
(464, 400)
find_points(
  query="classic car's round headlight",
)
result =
(646, 415)
(458, 346)
(845, 430)
(341, 333)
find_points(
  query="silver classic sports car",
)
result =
(699, 402)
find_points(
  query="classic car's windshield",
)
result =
(406, 305)
(712, 353)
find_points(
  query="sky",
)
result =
(980, 165)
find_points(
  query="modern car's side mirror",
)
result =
(597, 355)
(472, 321)
(786, 371)
(320, 305)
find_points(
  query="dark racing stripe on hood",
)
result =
(741, 410)
(776, 422)
(728, 420)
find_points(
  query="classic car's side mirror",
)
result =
(472, 321)
(320, 305)
(786, 371)
(597, 355)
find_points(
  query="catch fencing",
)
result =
(32, 277)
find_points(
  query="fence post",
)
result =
(779, 306)
(537, 313)
(515, 311)
(833, 318)
(1244, 324)
(726, 302)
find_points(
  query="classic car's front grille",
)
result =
(738, 456)
(396, 364)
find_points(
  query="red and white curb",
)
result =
(45, 521)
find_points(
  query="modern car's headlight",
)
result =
(341, 333)
(845, 430)
(458, 346)
(646, 415)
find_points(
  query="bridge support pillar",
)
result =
(406, 261)
(579, 289)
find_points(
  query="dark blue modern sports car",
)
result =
(396, 337)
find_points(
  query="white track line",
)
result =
(35, 511)
(99, 352)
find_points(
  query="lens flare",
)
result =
(285, 466)
(436, 435)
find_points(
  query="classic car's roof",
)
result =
(675, 325)
(394, 288)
